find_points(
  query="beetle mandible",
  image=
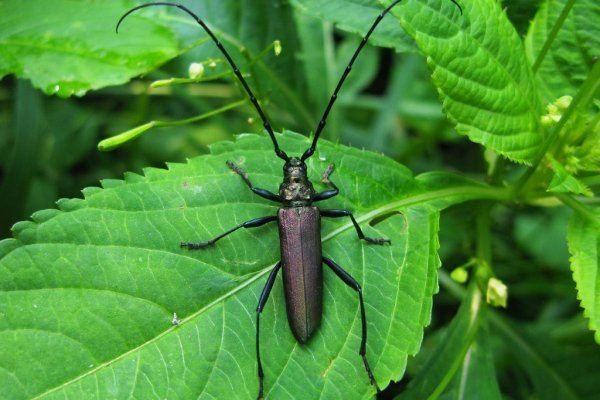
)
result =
(298, 220)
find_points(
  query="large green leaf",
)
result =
(69, 47)
(88, 291)
(571, 56)
(584, 245)
(481, 72)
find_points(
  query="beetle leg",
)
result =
(348, 280)
(261, 303)
(248, 224)
(328, 193)
(346, 213)
(261, 192)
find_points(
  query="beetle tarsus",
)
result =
(327, 174)
(196, 246)
(377, 241)
(371, 376)
(359, 232)
(238, 170)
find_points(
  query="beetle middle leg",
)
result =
(261, 304)
(348, 280)
(346, 213)
(253, 223)
(261, 192)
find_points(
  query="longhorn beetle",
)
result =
(299, 221)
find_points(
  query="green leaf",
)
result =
(72, 55)
(570, 58)
(357, 16)
(449, 357)
(476, 379)
(481, 72)
(564, 182)
(584, 246)
(88, 291)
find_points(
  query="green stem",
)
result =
(578, 207)
(115, 141)
(557, 25)
(585, 94)
(484, 242)
(202, 116)
(591, 180)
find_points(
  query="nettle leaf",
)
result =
(88, 291)
(584, 246)
(564, 182)
(481, 72)
(571, 56)
(74, 54)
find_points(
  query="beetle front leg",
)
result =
(261, 192)
(346, 213)
(261, 304)
(348, 280)
(248, 224)
(328, 193)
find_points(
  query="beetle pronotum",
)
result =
(298, 220)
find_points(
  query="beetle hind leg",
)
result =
(261, 304)
(348, 280)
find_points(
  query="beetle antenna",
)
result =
(280, 153)
(310, 151)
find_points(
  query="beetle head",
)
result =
(296, 189)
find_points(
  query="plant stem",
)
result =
(557, 25)
(202, 116)
(579, 207)
(115, 141)
(585, 94)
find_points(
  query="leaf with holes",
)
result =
(88, 291)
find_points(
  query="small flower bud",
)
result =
(196, 70)
(277, 47)
(497, 293)
(459, 275)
